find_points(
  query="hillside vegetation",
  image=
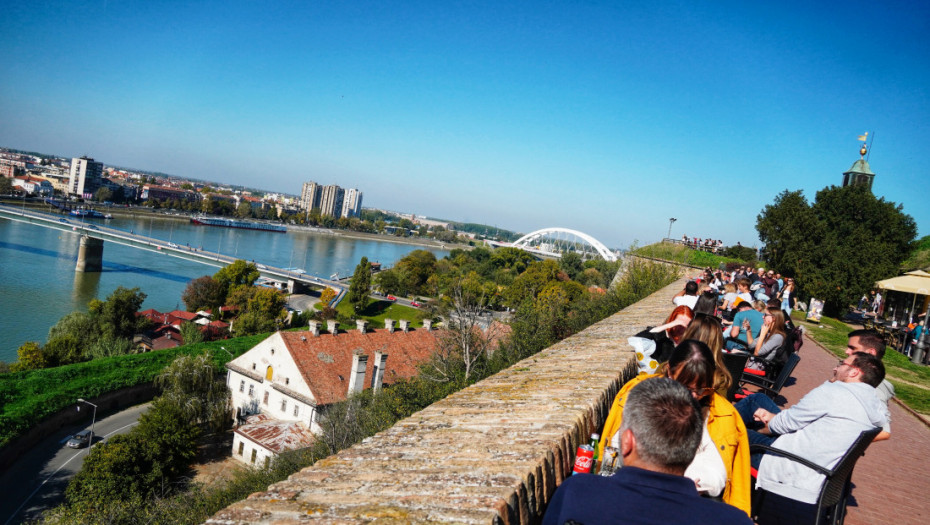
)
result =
(667, 251)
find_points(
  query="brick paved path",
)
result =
(892, 481)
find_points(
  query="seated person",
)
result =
(658, 439)
(667, 335)
(688, 296)
(721, 467)
(771, 338)
(820, 427)
(706, 303)
(745, 312)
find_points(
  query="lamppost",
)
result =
(671, 221)
(93, 421)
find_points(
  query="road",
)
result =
(37, 481)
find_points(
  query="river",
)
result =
(38, 284)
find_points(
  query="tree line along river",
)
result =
(38, 284)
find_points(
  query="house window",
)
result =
(269, 373)
(287, 380)
(265, 399)
(296, 409)
(283, 405)
(254, 454)
(253, 366)
(241, 448)
(251, 390)
(241, 386)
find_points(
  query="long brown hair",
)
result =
(778, 325)
(708, 330)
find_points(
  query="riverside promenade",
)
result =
(892, 481)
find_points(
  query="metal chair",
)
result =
(735, 363)
(773, 385)
(831, 503)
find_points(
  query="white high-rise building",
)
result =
(331, 201)
(310, 195)
(352, 203)
(86, 177)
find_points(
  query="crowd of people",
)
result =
(685, 445)
(697, 243)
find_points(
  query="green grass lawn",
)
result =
(683, 254)
(377, 311)
(911, 382)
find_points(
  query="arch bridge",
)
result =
(553, 242)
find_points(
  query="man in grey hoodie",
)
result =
(820, 427)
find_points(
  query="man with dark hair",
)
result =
(747, 317)
(659, 435)
(688, 296)
(820, 427)
(872, 342)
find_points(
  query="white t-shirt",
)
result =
(686, 300)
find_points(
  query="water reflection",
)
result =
(86, 286)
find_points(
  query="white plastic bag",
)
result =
(644, 350)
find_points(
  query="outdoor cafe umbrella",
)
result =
(916, 282)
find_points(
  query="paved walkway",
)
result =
(892, 481)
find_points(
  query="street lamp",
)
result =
(671, 221)
(93, 421)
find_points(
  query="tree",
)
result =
(204, 293)
(191, 333)
(237, 273)
(464, 345)
(416, 267)
(850, 240)
(571, 264)
(360, 286)
(244, 210)
(103, 194)
(29, 357)
(327, 295)
(192, 384)
(116, 316)
(6, 186)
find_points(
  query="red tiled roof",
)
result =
(323, 359)
(181, 314)
(275, 435)
(218, 324)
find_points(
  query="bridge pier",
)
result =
(90, 255)
(294, 286)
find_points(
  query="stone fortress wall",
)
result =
(491, 453)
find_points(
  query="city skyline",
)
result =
(605, 119)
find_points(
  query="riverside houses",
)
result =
(280, 386)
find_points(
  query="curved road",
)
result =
(37, 481)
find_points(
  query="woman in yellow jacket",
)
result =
(692, 364)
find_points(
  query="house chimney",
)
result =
(362, 325)
(404, 324)
(357, 377)
(377, 373)
(389, 325)
(332, 326)
(315, 328)
(427, 324)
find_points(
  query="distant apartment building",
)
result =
(34, 185)
(85, 178)
(165, 193)
(311, 196)
(352, 203)
(331, 201)
(7, 171)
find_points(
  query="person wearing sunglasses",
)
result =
(721, 466)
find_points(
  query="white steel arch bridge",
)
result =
(553, 242)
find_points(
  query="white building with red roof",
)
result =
(290, 376)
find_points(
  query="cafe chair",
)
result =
(837, 485)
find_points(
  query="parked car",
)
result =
(415, 304)
(79, 440)
(391, 298)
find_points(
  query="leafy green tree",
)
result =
(416, 267)
(528, 284)
(360, 286)
(190, 333)
(192, 384)
(852, 239)
(109, 347)
(118, 471)
(204, 293)
(116, 316)
(237, 273)
(244, 210)
(6, 186)
(29, 357)
(391, 282)
(572, 264)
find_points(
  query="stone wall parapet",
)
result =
(491, 453)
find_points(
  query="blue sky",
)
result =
(607, 117)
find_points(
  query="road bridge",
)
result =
(92, 237)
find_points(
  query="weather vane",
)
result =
(863, 138)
